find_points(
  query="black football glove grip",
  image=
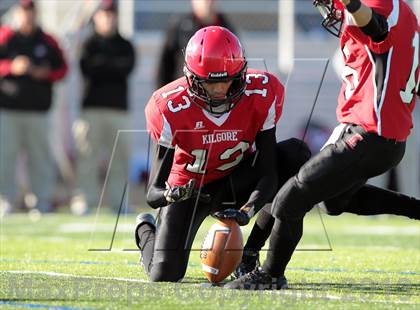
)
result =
(179, 193)
(241, 217)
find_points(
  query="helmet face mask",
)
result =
(217, 106)
(333, 17)
(215, 55)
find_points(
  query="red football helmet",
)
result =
(214, 54)
(332, 12)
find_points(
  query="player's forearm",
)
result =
(266, 168)
(377, 28)
(371, 23)
(264, 192)
(360, 13)
(156, 197)
(161, 168)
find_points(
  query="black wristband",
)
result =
(353, 6)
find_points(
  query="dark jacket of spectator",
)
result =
(106, 63)
(25, 92)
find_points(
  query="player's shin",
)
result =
(260, 232)
(372, 200)
(145, 239)
(283, 241)
(256, 240)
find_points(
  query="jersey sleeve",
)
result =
(390, 10)
(276, 105)
(158, 127)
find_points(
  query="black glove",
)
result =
(179, 193)
(239, 216)
(184, 192)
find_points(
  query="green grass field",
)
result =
(46, 264)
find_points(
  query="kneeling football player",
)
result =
(216, 150)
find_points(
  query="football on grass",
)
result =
(221, 251)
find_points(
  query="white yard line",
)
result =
(67, 275)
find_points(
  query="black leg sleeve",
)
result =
(372, 200)
(283, 241)
(147, 244)
(261, 230)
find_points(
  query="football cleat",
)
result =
(257, 279)
(250, 261)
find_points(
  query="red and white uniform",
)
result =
(207, 147)
(380, 78)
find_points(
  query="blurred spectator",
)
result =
(204, 13)
(106, 61)
(4, 31)
(30, 62)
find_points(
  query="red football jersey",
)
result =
(209, 147)
(380, 79)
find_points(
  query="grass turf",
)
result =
(357, 262)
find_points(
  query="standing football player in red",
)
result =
(216, 149)
(379, 41)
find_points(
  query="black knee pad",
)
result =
(166, 272)
(291, 201)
